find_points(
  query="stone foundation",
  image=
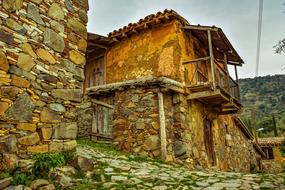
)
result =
(42, 54)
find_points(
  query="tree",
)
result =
(280, 47)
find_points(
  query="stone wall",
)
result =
(233, 150)
(136, 126)
(42, 54)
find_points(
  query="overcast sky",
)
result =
(238, 19)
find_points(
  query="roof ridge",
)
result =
(152, 19)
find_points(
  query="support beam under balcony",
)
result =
(196, 60)
(212, 59)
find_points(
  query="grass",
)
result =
(101, 147)
(111, 149)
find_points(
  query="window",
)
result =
(268, 152)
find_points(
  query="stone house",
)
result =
(161, 88)
(273, 160)
(158, 88)
(42, 56)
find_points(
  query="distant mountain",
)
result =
(267, 95)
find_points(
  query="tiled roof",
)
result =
(271, 141)
(150, 20)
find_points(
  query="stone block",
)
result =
(5, 182)
(49, 116)
(69, 145)
(4, 65)
(152, 142)
(46, 56)
(46, 133)
(68, 94)
(27, 127)
(38, 149)
(30, 140)
(3, 107)
(77, 57)
(65, 131)
(12, 5)
(9, 92)
(25, 62)
(57, 107)
(21, 110)
(33, 13)
(56, 146)
(20, 82)
(77, 27)
(27, 48)
(55, 12)
(10, 161)
(11, 23)
(69, 5)
(54, 40)
(20, 72)
(179, 148)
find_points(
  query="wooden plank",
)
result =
(196, 60)
(103, 104)
(212, 59)
(205, 28)
(94, 122)
(203, 94)
(162, 126)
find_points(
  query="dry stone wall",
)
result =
(42, 54)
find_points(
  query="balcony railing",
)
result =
(223, 81)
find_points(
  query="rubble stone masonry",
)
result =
(42, 54)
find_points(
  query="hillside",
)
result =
(267, 95)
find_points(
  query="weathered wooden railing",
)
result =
(222, 78)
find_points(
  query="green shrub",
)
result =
(5, 174)
(69, 155)
(45, 162)
(20, 178)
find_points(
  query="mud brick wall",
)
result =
(42, 54)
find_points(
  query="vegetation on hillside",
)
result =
(265, 95)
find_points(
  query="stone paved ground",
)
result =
(118, 171)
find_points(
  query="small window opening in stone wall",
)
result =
(268, 152)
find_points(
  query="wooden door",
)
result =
(95, 72)
(208, 141)
(102, 119)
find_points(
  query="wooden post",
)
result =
(226, 68)
(212, 59)
(162, 126)
(237, 80)
(236, 74)
(94, 123)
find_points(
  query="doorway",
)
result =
(208, 141)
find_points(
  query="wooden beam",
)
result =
(94, 123)
(103, 104)
(196, 60)
(162, 126)
(198, 95)
(212, 59)
(226, 68)
(205, 28)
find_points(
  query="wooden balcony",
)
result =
(209, 79)
(222, 95)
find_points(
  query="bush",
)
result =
(20, 178)
(45, 162)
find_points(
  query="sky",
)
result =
(238, 19)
